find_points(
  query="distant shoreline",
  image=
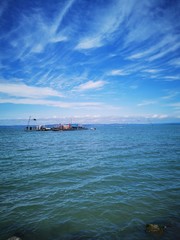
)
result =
(95, 124)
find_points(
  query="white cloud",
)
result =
(158, 49)
(23, 94)
(22, 90)
(171, 95)
(159, 116)
(90, 85)
(175, 105)
(137, 55)
(3, 7)
(165, 51)
(172, 78)
(146, 103)
(118, 72)
(49, 32)
(33, 32)
(175, 62)
(151, 70)
(105, 24)
(60, 38)
(88, 43)
(60, 104)
(57, 22)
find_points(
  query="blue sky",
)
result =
(90, 61)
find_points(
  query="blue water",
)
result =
(103, 184)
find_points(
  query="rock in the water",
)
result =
(14, 238)
(155, 228)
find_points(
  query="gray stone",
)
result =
(14, 238)
(155, 228)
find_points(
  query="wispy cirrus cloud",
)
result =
(165, 51)
(171, 78)
(175, 105)
(118, 72)
(104, 24)
(18, 93)
(167, 44)
(22, 90)
(91, 53)
(54, 103)
(34, 32)
(90, 85)
(146, 103)
(3, 6)
(151, 70)
(170, 95)
(58, 20)
(175, 62)
(89, 42)
(150, 29)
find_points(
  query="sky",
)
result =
(90, 61)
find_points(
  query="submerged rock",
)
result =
(14, 238)
(155, 228)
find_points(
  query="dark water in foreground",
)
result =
(103, 184)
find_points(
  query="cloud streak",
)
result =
(146, 103)
(168, 44)
(100, 54)
(3, 7)
(90, 85)
(44, 102)
(117, 72)
(105, 24)
(22, 90)
(33, 32)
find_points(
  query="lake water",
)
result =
(104, 184)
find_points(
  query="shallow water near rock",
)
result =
(103, 184)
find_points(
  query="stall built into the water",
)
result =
(59, 127)
(53, 127)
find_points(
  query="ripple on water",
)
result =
(104, 184)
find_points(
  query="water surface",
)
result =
(104, 184)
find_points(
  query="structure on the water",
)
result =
(59, 127)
